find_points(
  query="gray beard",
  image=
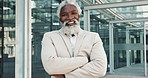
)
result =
(69, 30)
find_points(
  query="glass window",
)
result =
(100, 24)
(44, 20)
(1, 39)
(7, 45)
(127, 41)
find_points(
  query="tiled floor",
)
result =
(121, 76)
(134, 71)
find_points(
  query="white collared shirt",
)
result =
(73, 41)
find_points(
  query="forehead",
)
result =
(68, 8)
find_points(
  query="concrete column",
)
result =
(111, 48)
(141, 51)
(87, 20)
(23, 39)
(127, 51)
(145, 62)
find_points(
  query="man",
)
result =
(72, 52)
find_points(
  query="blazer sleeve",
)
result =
(97, 65)
(58, 65)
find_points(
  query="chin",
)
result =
(74, 29)
(71, 29)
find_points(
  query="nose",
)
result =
(69, 17)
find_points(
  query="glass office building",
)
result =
(121, 24)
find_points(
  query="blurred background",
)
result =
(128, 37)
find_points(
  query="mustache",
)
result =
(75, 21)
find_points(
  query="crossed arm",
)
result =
(74, 67)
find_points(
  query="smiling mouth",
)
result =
(71, 23)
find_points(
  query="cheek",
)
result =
(62, 19)
(77, 17)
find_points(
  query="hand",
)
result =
(59, 75)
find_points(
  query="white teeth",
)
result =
(70, 22)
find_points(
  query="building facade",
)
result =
(128, 38)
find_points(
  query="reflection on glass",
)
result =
(127, 40)
(44, 19)
(1, 39)
(8, 59)
(99, 23)
(113, 1)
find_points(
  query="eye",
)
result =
(74, 13)
(63, 15)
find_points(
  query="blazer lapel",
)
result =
(67, 42)
(79, 41)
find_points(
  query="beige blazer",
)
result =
(89, 59)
